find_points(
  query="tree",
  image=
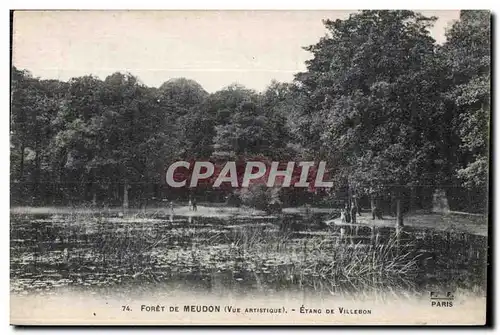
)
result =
(134, 134)
(34, 106)
(239, 123)
(76, 136)
(374, 100)
(194, 125)
(467, 55)
(278, 104)
(23, 104)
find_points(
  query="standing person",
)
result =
(347, 214)
(171, 205)
(190, 204)
(376, 213)
(194, 205)
(358, 207)
(342, 215)
(353, 212)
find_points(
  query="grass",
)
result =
(273, 256)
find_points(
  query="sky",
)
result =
(215, 48)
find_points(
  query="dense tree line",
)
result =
(390, 110)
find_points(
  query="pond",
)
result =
(240, 253)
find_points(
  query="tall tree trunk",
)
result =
(349, 195)
(36, 188)
(94, 188)
(125, 195)
(21, 164)
(399, 214)
(413, 199)
(116, 192)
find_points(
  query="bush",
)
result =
(233, 200)
(262, 197)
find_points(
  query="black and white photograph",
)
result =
(250, 167)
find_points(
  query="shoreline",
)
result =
(462, 222)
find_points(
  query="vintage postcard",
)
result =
(250, 167)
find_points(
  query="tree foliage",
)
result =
(468, 57)
(380, 101)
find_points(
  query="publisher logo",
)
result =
(442, 299)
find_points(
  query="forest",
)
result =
(391, 111)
